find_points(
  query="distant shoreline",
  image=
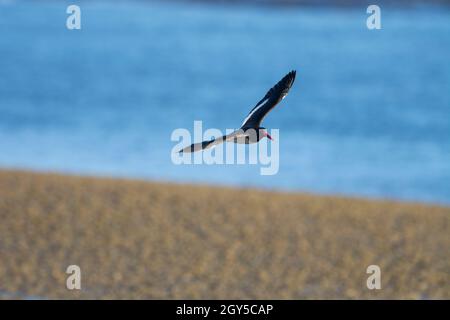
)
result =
(219, 186)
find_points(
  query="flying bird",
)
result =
(251, 130)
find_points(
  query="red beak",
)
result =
(268, 136)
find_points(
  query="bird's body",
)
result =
(251, 130)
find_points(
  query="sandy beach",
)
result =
(135, 239)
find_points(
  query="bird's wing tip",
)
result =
(291, 76)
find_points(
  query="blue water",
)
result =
(369, 114)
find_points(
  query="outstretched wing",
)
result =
(270, 100)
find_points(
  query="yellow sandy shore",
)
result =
(136, 239)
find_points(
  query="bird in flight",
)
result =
(251, 130)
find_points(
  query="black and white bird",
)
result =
(251, 130)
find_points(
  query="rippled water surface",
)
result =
(369, 113)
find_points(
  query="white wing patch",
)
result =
(254, 110)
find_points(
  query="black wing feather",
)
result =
(270, 100)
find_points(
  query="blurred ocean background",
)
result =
(369, 114)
